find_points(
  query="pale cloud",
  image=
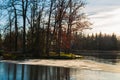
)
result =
(94, 6)
(105, 16)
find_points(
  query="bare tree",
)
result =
(24, 13)
(10, 25)
(48, 27)
(16, 26)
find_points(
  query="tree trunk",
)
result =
(24, 11)
(48, 31)
(16, 27)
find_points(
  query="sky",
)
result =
(104, 15)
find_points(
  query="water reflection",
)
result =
(26, 72)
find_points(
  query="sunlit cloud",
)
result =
(105, 18)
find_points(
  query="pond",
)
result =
(28, 72)
(10, 71)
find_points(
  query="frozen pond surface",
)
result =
(11, 71)
(95, 75)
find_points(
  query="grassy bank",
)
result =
(52, 55)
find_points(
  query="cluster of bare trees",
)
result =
(39, 26)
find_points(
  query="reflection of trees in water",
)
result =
(25, 72)
(8, 71)
(14, 72)
(48, 73)
(22, 73)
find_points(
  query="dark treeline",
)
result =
(40, 26)
(96, 42)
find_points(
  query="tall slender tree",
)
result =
(24, 13)
(16, 26)
(48, 27)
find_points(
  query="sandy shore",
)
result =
(80, 64)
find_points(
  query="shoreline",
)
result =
(78, 64)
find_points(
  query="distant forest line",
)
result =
(80, 42)
(96, 42)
